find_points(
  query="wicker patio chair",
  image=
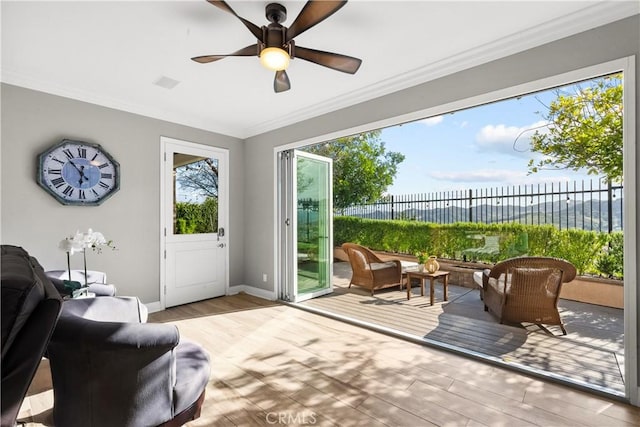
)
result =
(526, 289)
(371, 272)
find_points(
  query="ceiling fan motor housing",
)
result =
(276, 13)
(275, 35)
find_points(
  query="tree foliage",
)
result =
(585, 130)
(200, 176)
(362, 167)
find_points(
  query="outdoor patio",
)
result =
(591, 354)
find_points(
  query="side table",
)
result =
(422, 276)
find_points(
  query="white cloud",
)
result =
(432, 121)
(512, 140)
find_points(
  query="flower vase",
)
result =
(431, 265)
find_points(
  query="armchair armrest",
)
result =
(107, 309)
(99, 336)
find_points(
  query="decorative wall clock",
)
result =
(78, 173)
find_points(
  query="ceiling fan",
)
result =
(275, 45)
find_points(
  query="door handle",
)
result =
(221, 245)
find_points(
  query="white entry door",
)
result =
(194, 224)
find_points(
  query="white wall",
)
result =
(33, 121)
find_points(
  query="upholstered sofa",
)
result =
(30, 308)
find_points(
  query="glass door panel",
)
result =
(313, 216)
(305, 226)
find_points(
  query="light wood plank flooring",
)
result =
(274, 364)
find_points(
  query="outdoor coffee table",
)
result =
(422, 276)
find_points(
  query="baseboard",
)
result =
(156, 306)
(256, 292)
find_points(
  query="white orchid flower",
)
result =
(98, 239)
(70, 245)
(81, 241)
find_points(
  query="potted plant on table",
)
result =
(422, 258)
(80, 242)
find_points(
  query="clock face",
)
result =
(78, 173)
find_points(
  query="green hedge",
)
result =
(195, 218)
(591, 252)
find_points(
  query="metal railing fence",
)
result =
(581, 205)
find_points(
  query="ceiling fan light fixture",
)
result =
(274, 59)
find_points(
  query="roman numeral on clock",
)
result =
(81, 195)
(58, 182)
(103, 185)
(68, 191)
(82, 152)
(106, 176)
(54, 171)
(68, 153)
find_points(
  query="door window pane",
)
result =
(195, 191)
(313, 225)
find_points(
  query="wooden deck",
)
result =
(590, 355)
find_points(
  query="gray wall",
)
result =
(617, 40)
(33, 121)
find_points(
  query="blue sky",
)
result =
(472, 148)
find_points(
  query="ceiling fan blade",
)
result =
(245, 51)
(311, 14)
(346, 64)
(221, 4)
(281, 82)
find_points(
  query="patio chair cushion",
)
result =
(382, 265)
(499, 283)
(409, 266)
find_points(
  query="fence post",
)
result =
(470, 205)
(609, 207)
(393, 212)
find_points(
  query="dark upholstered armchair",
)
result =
(30, 308)
(526, 289)
(371, 272)
(109, 368)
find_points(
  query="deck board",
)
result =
(462, 322)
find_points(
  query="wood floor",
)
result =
(274, 364)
